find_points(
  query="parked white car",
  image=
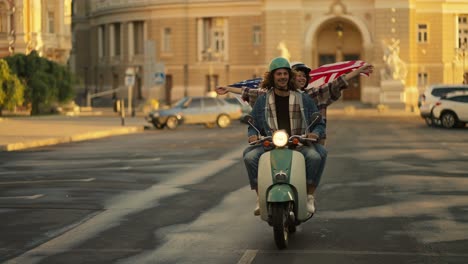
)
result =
(452, 109)
(431, 95)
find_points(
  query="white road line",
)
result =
(126, 204)
(248, 256)
(31, 197)
(47, 181)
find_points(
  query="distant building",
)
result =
(27, 25)
(201, 44)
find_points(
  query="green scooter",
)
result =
(282, 185)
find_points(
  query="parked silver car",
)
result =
(430, 97)
(246, 108)
(205, 110)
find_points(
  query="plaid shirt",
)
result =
(264, 114)
(323, 96)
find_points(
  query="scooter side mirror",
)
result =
(248, 119)
(314, 119)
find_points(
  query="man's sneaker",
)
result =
(310, 204)
(257, 208)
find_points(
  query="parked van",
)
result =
(431, 95)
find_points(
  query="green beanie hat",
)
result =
(278, 63)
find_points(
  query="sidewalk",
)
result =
(19, 133)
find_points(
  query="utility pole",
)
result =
(130, 82)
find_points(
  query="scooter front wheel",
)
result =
(279, 217)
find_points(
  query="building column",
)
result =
(131, 43)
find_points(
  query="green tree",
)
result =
(47, 82)
(11, 88)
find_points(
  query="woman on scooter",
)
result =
(280, 108)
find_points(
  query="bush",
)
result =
(11, 88)
(47, 82)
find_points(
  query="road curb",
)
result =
(75, 138)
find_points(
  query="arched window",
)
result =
(4, 16)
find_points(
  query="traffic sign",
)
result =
(129, 80)
(159, 78)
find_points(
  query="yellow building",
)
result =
(42, 25)
(201, 44)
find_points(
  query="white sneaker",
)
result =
(257, 208)
(310, 203)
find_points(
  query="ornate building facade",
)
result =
(42, 25)
(201, 44)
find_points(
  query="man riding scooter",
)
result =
(283, 107)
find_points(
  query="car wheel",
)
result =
(158, 125)
(223, 121)
(172, 122)
(448, 120)
(429, 121)
(210, 125)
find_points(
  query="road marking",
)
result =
(47, 181)
(31, 197)
(248, 256)
(127, 204)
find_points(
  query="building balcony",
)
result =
(52, 41)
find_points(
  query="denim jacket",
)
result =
(260, 117)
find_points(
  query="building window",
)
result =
(101, 39)
(422, 33)
(166, 40)
(138, 37)
(211, 36)
(257, 35)
(117, 40)
(51, 22)
(462, 30)
(422, 79)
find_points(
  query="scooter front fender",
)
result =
(280, 193)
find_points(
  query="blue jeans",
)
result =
(315, 157)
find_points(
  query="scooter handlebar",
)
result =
(303, 139)
(261, 140)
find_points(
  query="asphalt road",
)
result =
(393, 191)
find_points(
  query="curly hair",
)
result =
(269, 81)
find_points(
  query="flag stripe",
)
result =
(318, 77)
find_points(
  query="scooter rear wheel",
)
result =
(279, 217)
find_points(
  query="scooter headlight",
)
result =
(280, 138)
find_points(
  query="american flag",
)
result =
(251, 83)
(318, 77)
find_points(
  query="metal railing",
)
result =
(90, 96)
